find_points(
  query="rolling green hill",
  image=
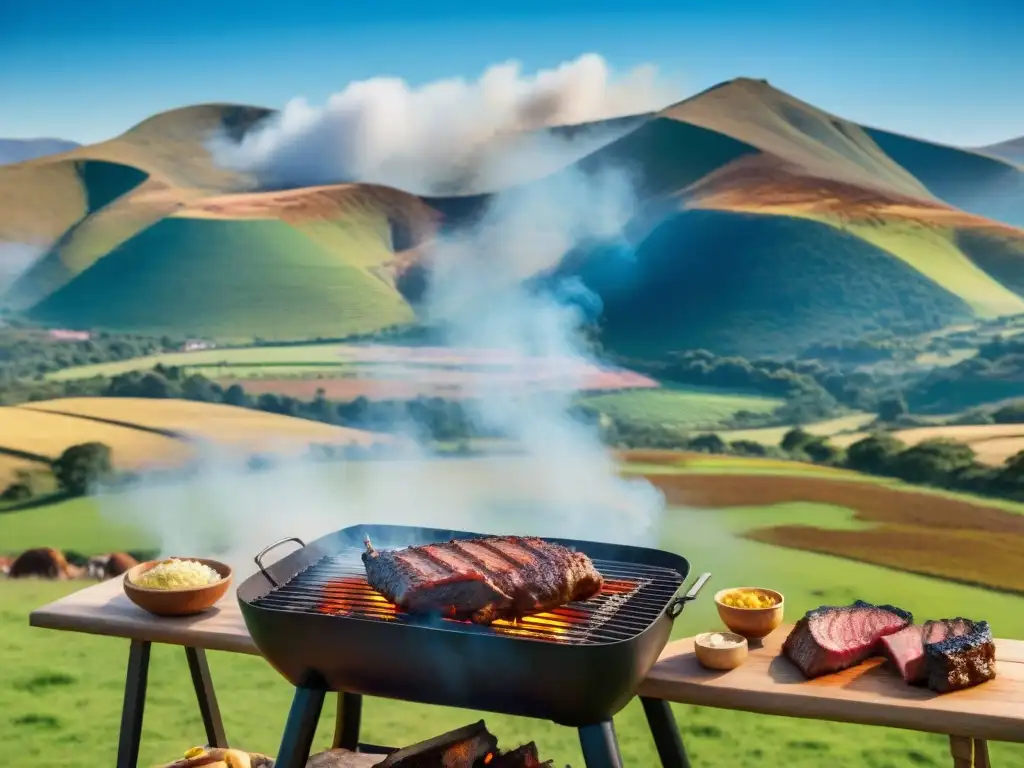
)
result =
(752, 285)
(228, 278)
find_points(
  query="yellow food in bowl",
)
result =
(177, 574)
(748, 598)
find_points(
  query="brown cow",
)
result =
(45, 562)
(108, 566)
(5, 565)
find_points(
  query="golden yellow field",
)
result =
(10, 466)
(48, 434)
(222, 424)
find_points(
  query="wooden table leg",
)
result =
(981, 754)
(136, 680)
(962, 749)
(207, 697)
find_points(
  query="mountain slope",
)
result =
(977, 183)
(20, 150)
(1012, 150)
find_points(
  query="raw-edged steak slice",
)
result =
(832, 638)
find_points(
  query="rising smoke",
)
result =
(565, 483)
(447, 136)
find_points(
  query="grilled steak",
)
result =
(906, 647)
(961, 660)
(482, 579)
(832, 638)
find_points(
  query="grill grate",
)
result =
(632, 598)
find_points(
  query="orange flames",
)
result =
(351, 595)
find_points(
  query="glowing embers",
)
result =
(351, 596)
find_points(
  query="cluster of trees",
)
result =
(29, 354)
(940, 462)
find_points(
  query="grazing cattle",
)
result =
(96, 568)
(44, 562)
(5, 565)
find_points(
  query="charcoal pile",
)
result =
(944, 655)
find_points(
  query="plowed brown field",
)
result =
(951, 538)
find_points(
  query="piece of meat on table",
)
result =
(906, 648)
(832, 638)
(961, 660)
(482, 579)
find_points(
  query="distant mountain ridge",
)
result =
(765, 225)
(20, 150)
(1009, 150)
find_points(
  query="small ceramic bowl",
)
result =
(724, 657)
(177, 602)
(752, 623)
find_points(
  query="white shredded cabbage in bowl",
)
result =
(177, 574)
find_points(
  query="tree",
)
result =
(81, 467)
(821, 451)
(874, 454)
(710, 443)
(892, 408)
(795, 440)
(933, 462)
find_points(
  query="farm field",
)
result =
(774, 435)
(377, 371)
(222, 424)
(685, 408)
(66, 688)
(993, 443)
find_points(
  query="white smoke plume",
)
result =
(449, 135)
(564, 483)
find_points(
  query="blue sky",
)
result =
(946, 70)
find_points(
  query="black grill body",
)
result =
(580, 677)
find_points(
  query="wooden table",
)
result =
(765, 683)
(104, 609)
(870, 694)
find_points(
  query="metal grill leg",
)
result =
(667, 739)
(600, 746)
(346, 724)
(134, 705)
(297, 742)
(206, 696)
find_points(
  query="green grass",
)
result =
(60, 692)
(226, 278)
(680, 408)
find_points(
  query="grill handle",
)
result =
(676, 606)
(259, 555)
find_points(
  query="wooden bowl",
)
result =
(177, 602)
(728, 657)
(752, 623)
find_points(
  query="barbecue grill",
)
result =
(317, 621)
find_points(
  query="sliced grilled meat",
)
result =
(906, 648)
(832, 638)
(961, 660)
(482, 579)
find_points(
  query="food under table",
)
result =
(869, 694)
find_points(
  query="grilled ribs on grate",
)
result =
(832, 638)
(482, 579)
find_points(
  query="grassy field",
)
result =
(62, 691)
(681, 408)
